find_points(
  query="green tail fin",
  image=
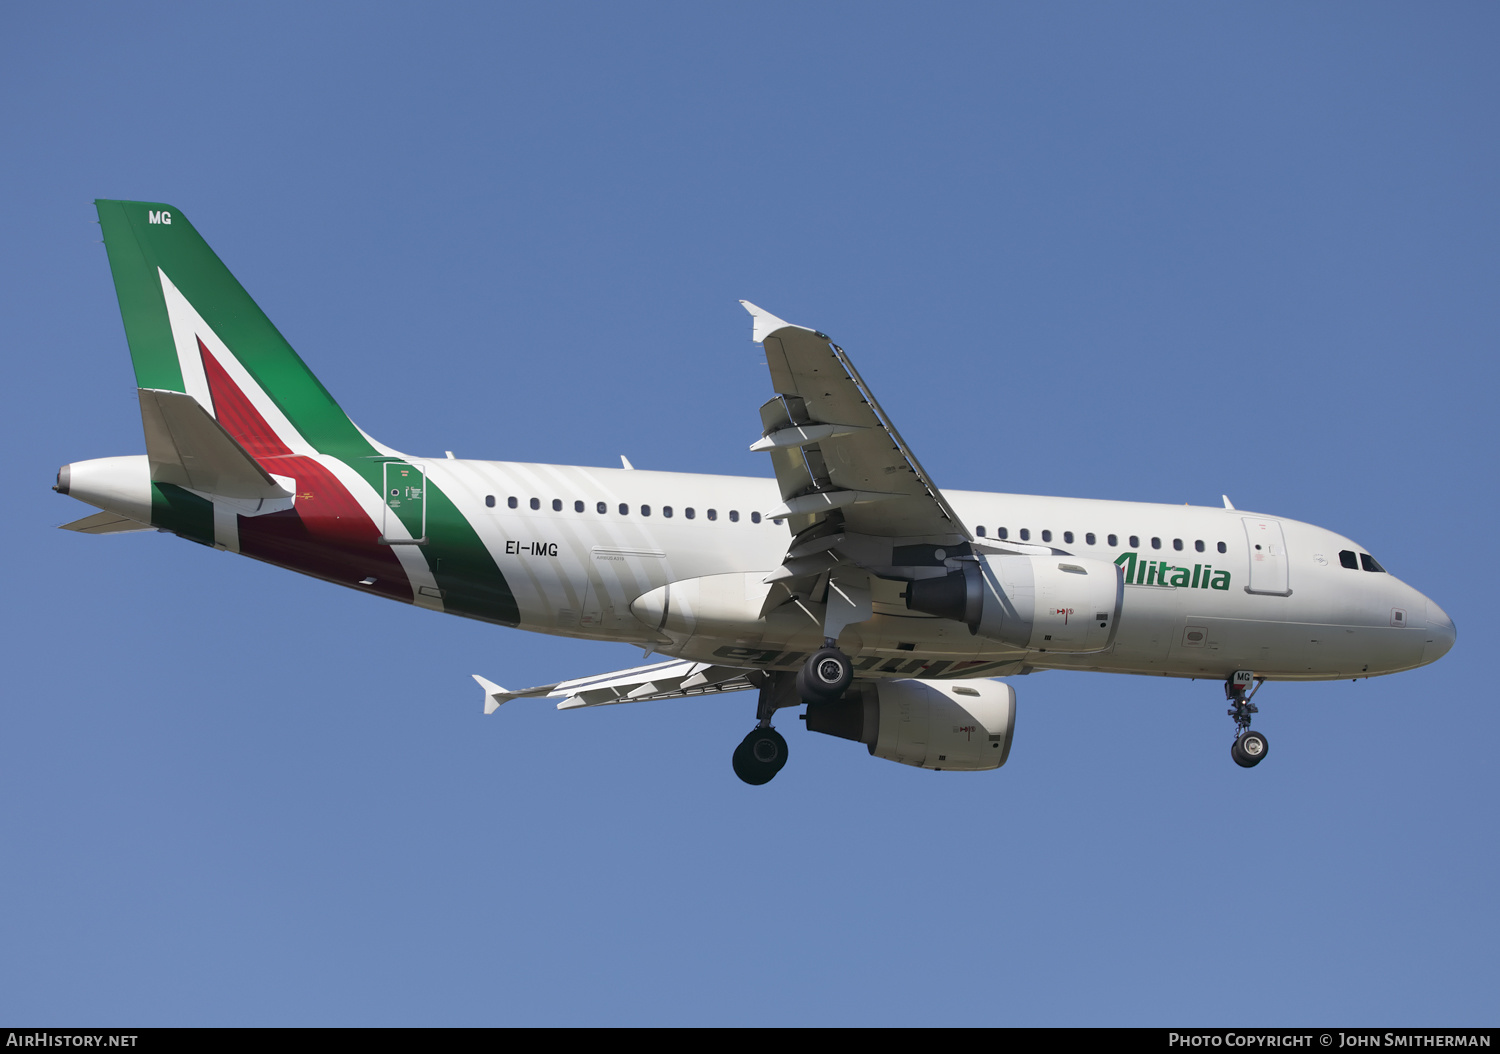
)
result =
(179, 301)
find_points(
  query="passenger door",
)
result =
(1268, 559)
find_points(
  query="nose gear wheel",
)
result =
(1249, 748)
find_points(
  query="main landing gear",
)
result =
(760, 756)
(1249, 748)
(823, 678)
(825, 675)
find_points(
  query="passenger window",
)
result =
(1348, 559)
(601, 508)
(979, 531)
(1113, 540)
(511, 502)
(688, 512)
(1025, 534)
(1156, 543)
(1198, 545)
(1046, 536)
(489, 501)
(1089, 538)
(1004, 534)
(1068, 537)
(1369, 563)
(713, 514)
(624, 509)
(557, 505)
(1223, 548)
(1177, 544)
(755, 517)
(645, 510)
(734, 516)
(536, 503)
(666, 510)
(1135, 541)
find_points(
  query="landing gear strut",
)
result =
(1249, 748)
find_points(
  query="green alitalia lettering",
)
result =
(1140, 572)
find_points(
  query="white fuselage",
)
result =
(577, 573)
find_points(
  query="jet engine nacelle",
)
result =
(1040, 603)
(962, 726)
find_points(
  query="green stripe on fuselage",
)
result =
(182, 512)
(471, 581)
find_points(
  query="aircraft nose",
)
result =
(1440, 634)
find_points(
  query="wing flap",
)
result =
(833, 447)
(679, 679)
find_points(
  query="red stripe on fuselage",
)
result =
(326, 533)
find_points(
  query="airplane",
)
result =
(849, 583)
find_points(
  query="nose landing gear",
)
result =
(1249, 748)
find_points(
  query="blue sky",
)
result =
(1155, 252)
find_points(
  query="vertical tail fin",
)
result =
(192, 328)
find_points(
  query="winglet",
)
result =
(765, 322)
(494, 695)
(1227, 503)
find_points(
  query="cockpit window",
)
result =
(1348, 559)
(1369, 563)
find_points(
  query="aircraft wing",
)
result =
(856, 498)
(834, 449)
(679, 679)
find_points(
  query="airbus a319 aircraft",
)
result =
(849, 583)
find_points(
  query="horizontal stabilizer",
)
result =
(106, 523)
(186, 446)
